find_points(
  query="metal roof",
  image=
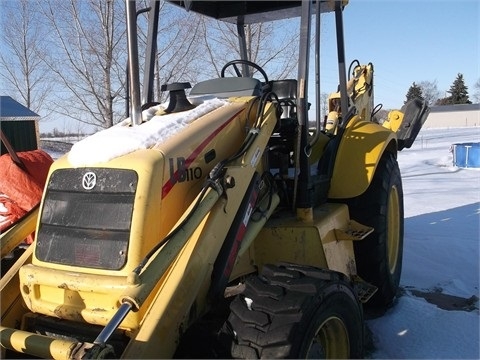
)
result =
(249, 11)
(11, 110)
(455, 107)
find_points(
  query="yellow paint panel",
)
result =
(358, 155)
(310, 243)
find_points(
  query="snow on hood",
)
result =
(123, 139)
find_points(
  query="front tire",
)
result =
(293, 311)
(379, 256)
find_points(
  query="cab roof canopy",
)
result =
(250, 11)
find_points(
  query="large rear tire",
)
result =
(293, 311)
(379, 256)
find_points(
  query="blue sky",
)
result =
(407, 41)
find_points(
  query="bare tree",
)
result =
(430, 91)
(476, 94)
(87, 55)
(178, 48)
(24, 75)
(324, 103)
(266, 46)
(75, 51)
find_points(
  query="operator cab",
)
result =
(295, 148)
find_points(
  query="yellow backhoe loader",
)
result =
(221, 224)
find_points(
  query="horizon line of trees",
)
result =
(458, 92)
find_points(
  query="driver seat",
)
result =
(227, 87)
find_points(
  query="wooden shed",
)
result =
(19, 124)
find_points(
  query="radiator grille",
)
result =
(87, 224)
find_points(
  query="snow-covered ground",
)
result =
(441, 255)
(56, 147)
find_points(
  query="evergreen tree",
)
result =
(413, 92)
(458, 91)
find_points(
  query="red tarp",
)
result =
(20, 191)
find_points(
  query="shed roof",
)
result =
(11, 110)
(455, 107)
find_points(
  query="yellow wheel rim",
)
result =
(330, 341)
(393, 226)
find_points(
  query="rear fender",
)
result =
(360, 149)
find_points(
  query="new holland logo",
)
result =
(89, 180)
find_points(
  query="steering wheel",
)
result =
(234, 63)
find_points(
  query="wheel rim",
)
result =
(330, 341)
(393, 233)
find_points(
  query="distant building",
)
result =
(19, 124)
(460, 115)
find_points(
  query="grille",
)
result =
(86, 218)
